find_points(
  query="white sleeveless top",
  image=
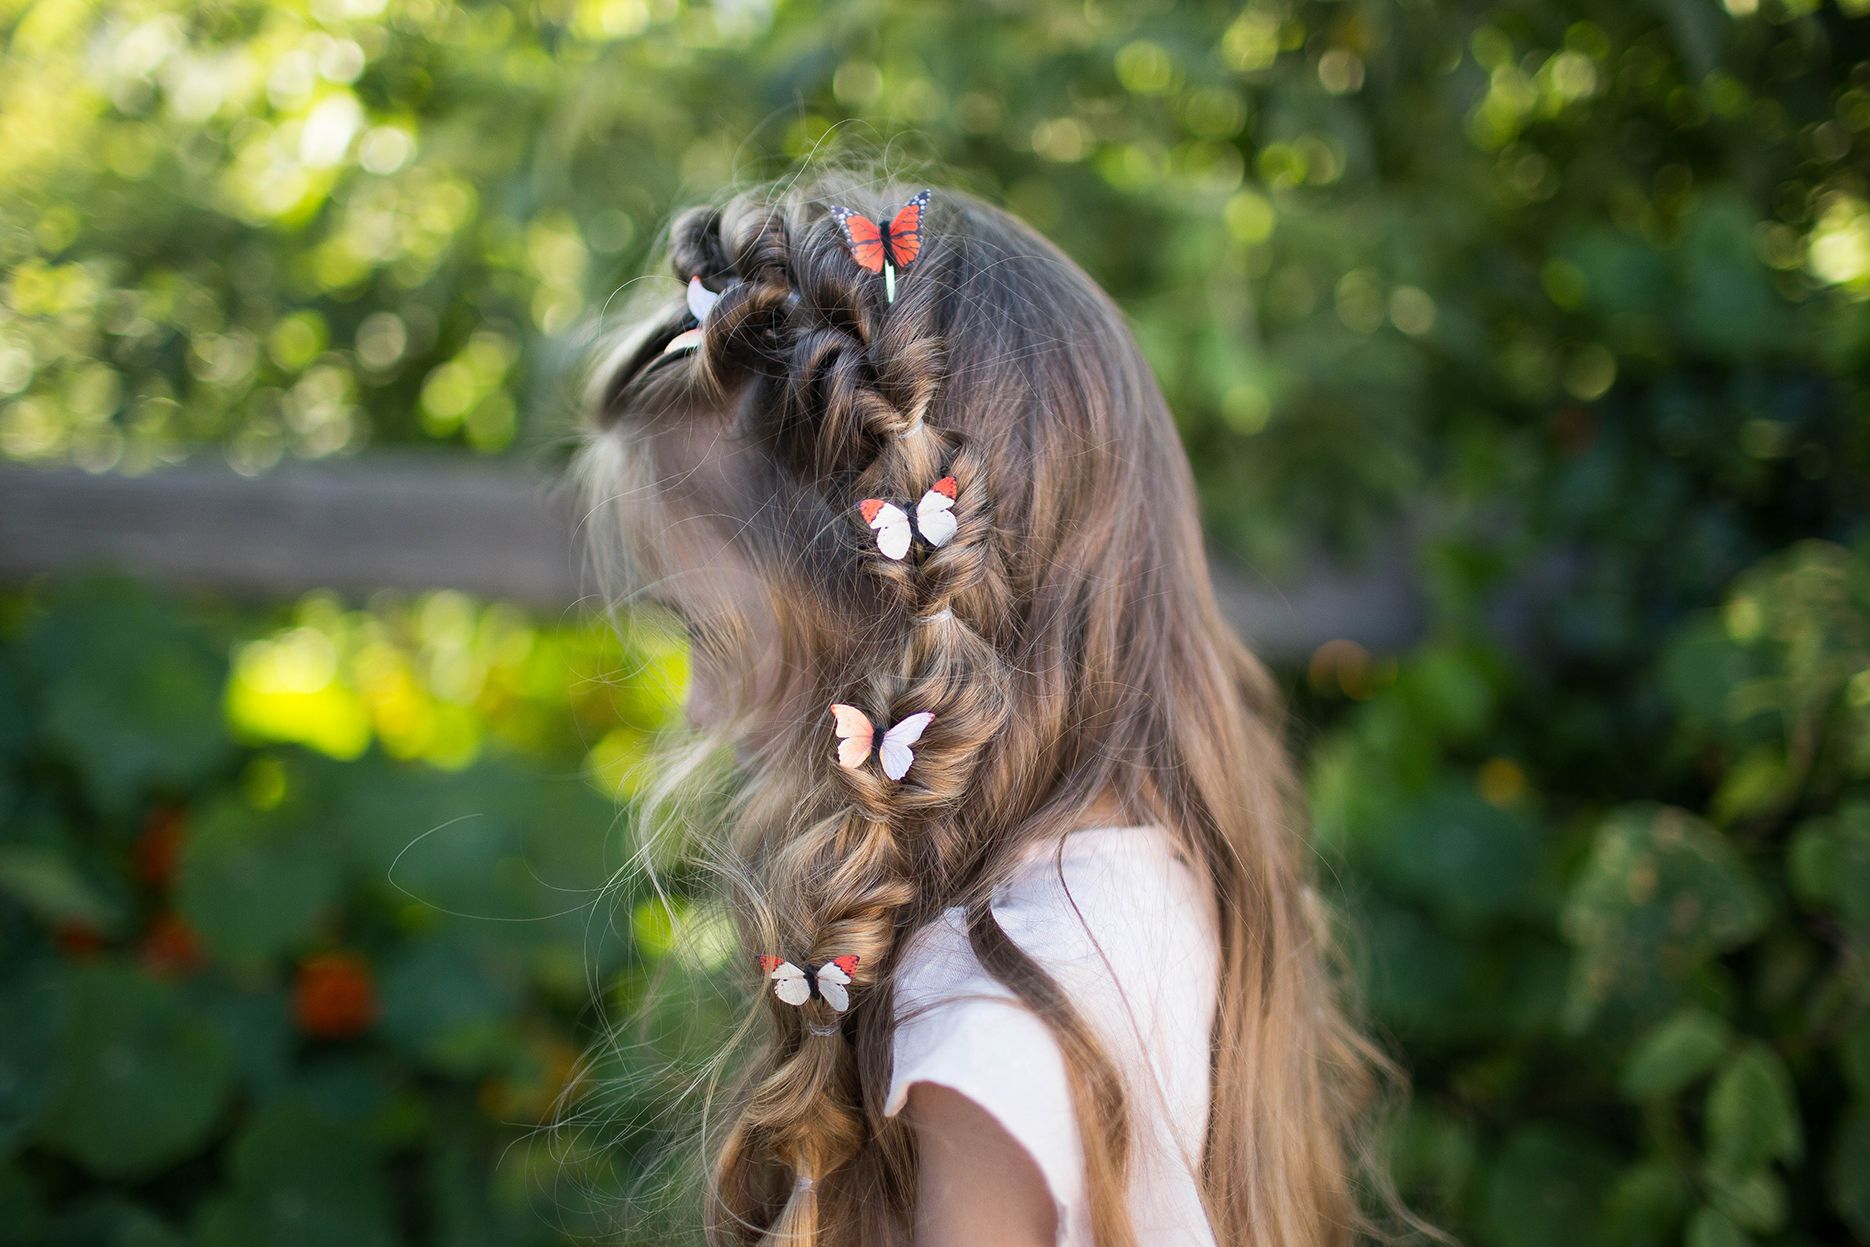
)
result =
(1131, 933)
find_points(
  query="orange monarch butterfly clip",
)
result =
(885, 248)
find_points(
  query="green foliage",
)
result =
(1575, 289)
(246, 997)
(1707, 1056)
(1374, 249)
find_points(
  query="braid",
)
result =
(846, 394)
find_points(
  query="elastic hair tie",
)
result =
(824, 1030)
(804, 1182)
(944, 615)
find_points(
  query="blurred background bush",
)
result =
(312, 912)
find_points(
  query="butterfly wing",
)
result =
(935, 513)
(789, 982)
(701, 300)
(863, 236)
(906, 231)
(856, 735)
(895, 750)
(832, 980)
(891, 523)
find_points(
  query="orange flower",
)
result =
(159, 845)
(77, 940)
(333, 996)
(171, 948)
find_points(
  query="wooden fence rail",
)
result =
(393, 520)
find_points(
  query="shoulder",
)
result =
(1115, 914)
(1129, 930)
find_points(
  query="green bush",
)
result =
(1573, 293)
(1642, 1010)
(258, 994)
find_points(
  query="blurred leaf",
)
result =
(1436, 1154)
(1468, 858)
(1729, 297)
(1752, 1116)
(44, 881)
(255, 1026)
(255, 883)
(443, 1004)
(1645, 1207)
(1542, 1189)
(112, 1222)
(1755, 1201)
(33, 1000)
(22, 1216)
(1754, 785)
(127, 717)
(1848, 1174)
(300, 1180)
(1709, 1228)
(1675, 1053)
(1700, 666)
(1829, 867)
(1662, 892)
(138, 1081)
(17, 713)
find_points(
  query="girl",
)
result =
(1016, 849)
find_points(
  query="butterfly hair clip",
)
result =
(859, 738)
(828, 982)
(701, 301)
(896, 523)
(885, 248)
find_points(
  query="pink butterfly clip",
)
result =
(858, 738)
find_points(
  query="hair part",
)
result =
(1067, 641)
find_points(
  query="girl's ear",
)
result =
(975, 1185)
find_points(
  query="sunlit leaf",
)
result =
(1661, 892)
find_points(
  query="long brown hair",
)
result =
(1067, 640)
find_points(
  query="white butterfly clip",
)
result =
(934, 519)
(858, 738)
(826, 983)
(701, 301)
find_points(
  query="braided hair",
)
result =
(747, 440)
(840, 389)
